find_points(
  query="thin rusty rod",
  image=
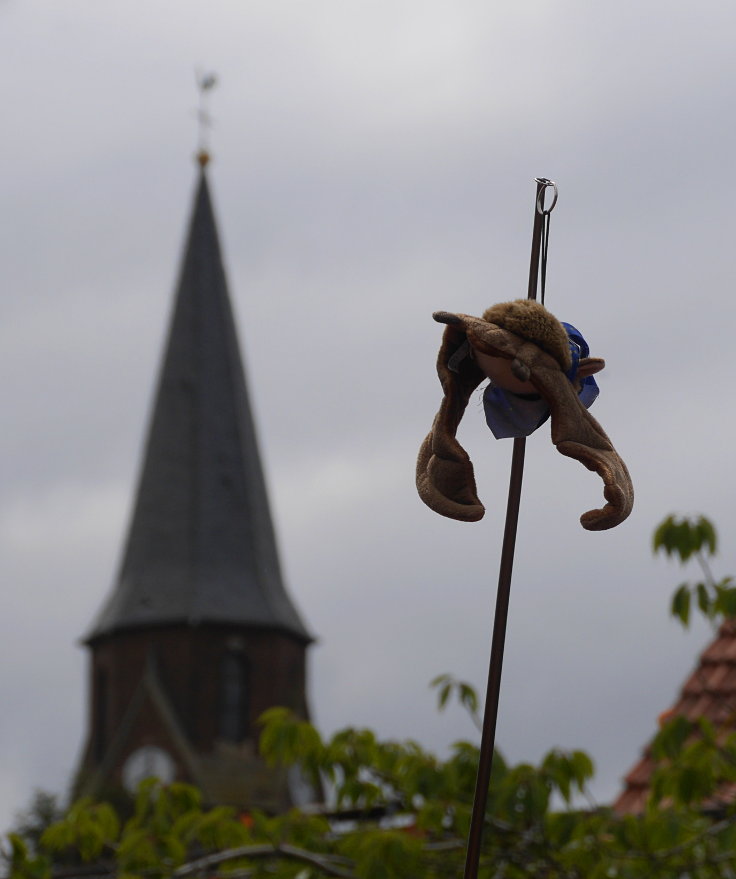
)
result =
(490, 713)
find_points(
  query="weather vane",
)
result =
(205, 83)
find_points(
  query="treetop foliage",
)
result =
(395, 811)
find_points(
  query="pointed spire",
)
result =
(201, 546)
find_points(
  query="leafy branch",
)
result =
(695, 538)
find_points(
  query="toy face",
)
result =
(498, 370)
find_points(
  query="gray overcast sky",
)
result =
(373, 163)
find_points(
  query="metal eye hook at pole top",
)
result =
(541, 236)
(545, 183)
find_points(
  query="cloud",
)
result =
(372, 163)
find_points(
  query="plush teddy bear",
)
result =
(538, 369)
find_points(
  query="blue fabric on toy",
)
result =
(516, 415)
(579, 348)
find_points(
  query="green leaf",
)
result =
(468, 696)
(184, 798)
(136, 850)
(108, 822)
(145, 796)
(692, 785)
(704, 600)
(674, 537)
(670, 740)
(683, 537)
(680, 606)
(384, 854)
(439, 680)
(443, 684)
(725, 602)
(18, 846)
(707, 732)
(583, 768)
(57, 837)
(706, 535)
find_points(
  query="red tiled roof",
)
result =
(709, 692)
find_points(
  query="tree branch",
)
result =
(329, 864)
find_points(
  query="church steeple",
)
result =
(198, 636)
(201, 545)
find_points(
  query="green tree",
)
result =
(44, 810)
(399, 812)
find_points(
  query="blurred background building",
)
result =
(198, 636)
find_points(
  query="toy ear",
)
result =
(589, 366)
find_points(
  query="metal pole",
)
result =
(490, 714)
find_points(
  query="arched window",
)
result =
(234, 707)
(100, 712)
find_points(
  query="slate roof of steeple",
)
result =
(201, 546)
(709, 692)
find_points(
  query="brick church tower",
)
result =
(198, 635)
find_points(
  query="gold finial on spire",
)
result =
(205, 83)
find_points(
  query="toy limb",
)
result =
(444, 476)
(576, 434)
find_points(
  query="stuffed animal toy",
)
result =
(538, 368)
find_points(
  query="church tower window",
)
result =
(234, 701)
(100, 709)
